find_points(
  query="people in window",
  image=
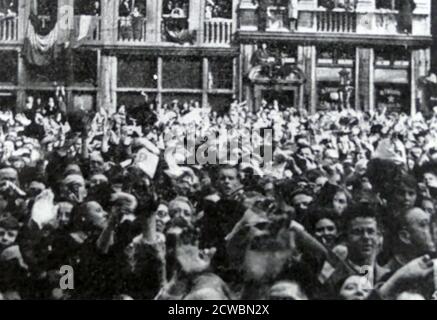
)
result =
(405, 18)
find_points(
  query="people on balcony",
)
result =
(405, 18)
(132, 15)
(293, 14)
(277, 13)
(88, 8)
(218, 9)
(348, 5)
(137, 24)
(8, 8)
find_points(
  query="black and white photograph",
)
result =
(219, 150)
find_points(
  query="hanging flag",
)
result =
(85, 28)
(40, 50)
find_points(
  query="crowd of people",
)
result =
(345, 209)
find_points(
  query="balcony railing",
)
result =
(132, 30)
(217, 32)
(336, 21)
(8, 29)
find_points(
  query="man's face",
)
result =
(430, 180)
(122, 207)
(162, 218)
(64, 213)
(229, 181)
(301, 202)
(35, 188)
(419, 230)
(181, 214)
(306, 153)
(10, 175)
(429, 207)
(330, 157)
(326, 232)
(97, 180)
(356, 288)
(74, 191)
(339, 202)
(7, 237)
(96, 165)
(363, 239)
(96, 215)
(320, 182)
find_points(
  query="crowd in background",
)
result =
(345, 209)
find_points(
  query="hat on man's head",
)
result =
(9, 223)
(124, 199)
(73, 178)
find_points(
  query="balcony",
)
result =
(131, 30)
(217, 32)
(338, 21)
(8, 30)
(361, 22)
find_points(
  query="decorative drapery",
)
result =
(40, 50)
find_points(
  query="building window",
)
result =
(134, 99)
(398, 57)
(84, 101)
(86, 7)
(137, 71)
(220, 73)
(393, 97)
(220, 103)
(51, 73)
(218, 9)
(338, 55)
(331, 95)
(179, 99)
(85, 68)
(7, 100)
(388, 4)
(8, 67)
(182, 73)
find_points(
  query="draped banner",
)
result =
(40, 50)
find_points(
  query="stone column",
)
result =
(364, 79)
(23, 20)
(109, 16)
(107, 94)
(154, 13)
(196, 17)
(307, 62)
(420, 66)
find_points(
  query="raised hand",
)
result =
(44, 211)
(415, 271)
